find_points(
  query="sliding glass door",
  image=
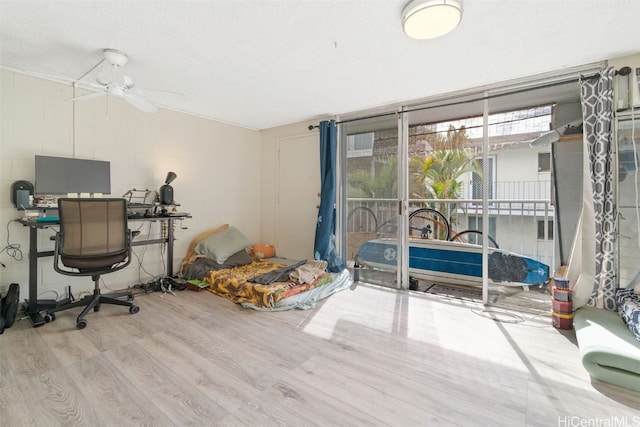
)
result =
(628, 142)
(371, 194)
(444, 173)
(475, 176)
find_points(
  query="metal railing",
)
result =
(513, 223)
(512, 190)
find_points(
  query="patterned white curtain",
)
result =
(597, 112)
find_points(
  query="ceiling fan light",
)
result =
(115, 57)
(115, 90)
(128, 82)
(428, 19)
(102, 79)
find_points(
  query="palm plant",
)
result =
(442, 169)
(381, 185)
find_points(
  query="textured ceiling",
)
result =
(261, 64)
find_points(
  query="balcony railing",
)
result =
(513, 223)
(513, 190)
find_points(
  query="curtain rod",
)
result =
(390, 113)
(373, 116)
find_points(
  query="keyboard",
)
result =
(48, 219)
(175, 213)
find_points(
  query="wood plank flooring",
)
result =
(364, 357)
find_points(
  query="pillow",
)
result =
(223, 244)
(192, 255)
(629, 309)
(204, 235)
(241, 257)
(624, 294)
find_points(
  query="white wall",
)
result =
(520, 164)
(218, 168)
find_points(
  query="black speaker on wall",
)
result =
(20, 192)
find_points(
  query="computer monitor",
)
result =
(63, 175)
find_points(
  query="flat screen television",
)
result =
(62, 175)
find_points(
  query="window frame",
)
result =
(540, 232)
(547, 154)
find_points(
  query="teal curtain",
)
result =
(324, 244)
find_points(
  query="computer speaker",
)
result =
(166, 194)
(20, 192)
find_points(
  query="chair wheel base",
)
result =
(134, 309)
(81, 324)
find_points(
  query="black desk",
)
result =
(32, 307)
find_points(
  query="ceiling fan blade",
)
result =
(140, 103)
(159, 97)
(162, 94)
(88, 96)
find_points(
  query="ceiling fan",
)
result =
(111, 81)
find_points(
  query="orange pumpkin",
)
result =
(263, 251)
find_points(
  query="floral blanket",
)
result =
(234, 284)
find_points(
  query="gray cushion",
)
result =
(222, 245)
(609, 350)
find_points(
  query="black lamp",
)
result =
(166, 191)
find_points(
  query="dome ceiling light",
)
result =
(428, 19)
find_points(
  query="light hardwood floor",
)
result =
(367, 356)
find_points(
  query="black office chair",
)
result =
(93, 240)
